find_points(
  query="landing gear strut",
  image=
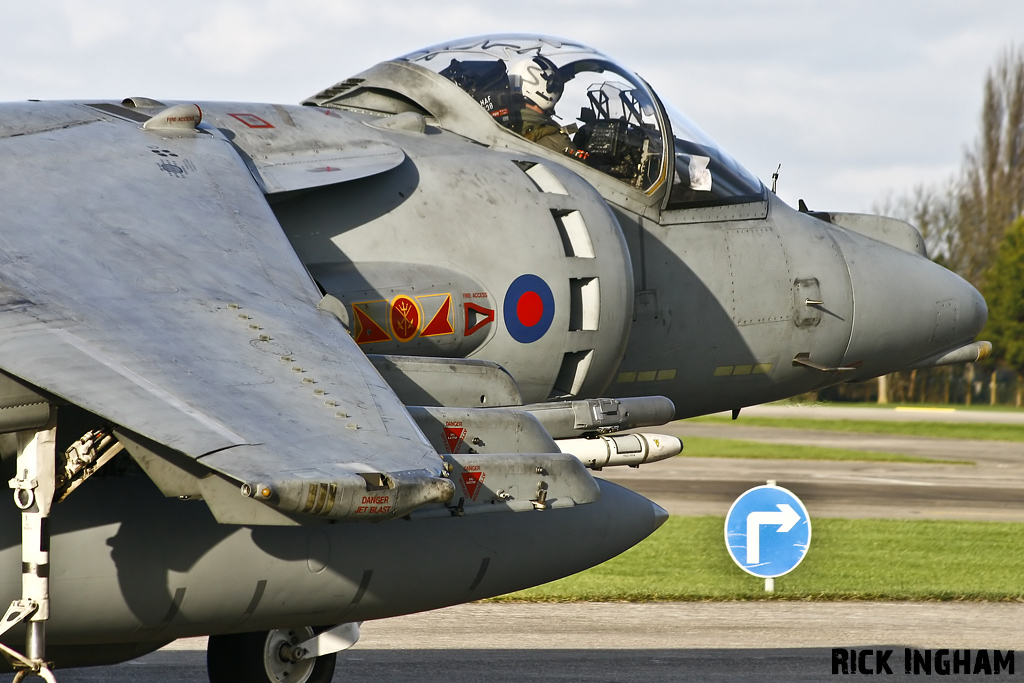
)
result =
(42, 477)
(34, 488)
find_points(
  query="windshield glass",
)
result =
(563, 96)
(574, 100)
(705, 175)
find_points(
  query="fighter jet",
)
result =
(268, 372)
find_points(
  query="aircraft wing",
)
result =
(145, 279)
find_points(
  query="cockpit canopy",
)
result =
(574, 100)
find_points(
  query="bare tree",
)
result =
(964, 220)
(933, 210)
(991, 190)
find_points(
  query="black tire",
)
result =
(239, 658)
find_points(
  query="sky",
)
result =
(859, 102)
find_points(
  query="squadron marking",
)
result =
(368, 330)
(405, 317)
(441, 323)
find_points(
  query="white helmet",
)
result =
(542, 86)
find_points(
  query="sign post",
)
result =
(767, 532)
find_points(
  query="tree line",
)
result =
(973, 223)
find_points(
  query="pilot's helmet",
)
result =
(542, 86)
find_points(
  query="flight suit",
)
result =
(542, 130)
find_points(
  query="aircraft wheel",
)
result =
(264, 657)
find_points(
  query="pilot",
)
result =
(542, 87)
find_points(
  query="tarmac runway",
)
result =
(741, 641)
(992, 489)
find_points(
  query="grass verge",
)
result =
(707, 447)
(936, 430)
(849, 559)
(958, 407)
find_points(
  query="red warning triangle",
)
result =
(441, 322)
(482, 315)
(471, 480)
(453, 437)
(367, 331)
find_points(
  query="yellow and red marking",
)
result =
(405, 317)
(367, 329)
(441, 323)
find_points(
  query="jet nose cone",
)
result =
(906, 307)
(960, 312)
(980, 309)
(660, 515)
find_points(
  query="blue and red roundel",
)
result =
(529, 308)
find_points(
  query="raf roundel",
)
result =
(529, 308)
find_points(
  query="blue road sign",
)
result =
(767, 531)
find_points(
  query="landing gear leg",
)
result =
(34, 488)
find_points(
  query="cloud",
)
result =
(825, 88)
(92, 24)
(235, 37)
